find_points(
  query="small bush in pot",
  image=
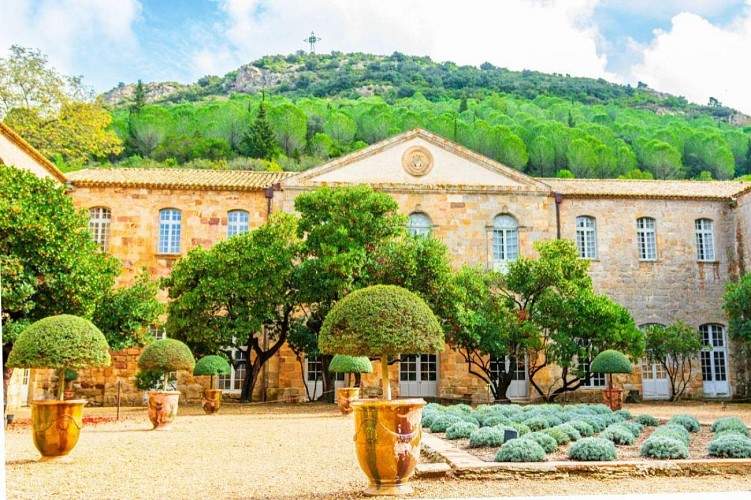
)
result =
(384, 321)
(59, 342)
(592, 450)
(664, 447)
(611, 362)
(520, 450)
(341, 363)
(165, 355)
(211, 366)
(70, 376)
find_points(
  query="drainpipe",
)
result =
(269, 193)
(558, 201)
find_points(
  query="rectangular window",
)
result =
(234, 381)
(170, 226)
(586, 237)
(158, 332)
(704, 240)
(99, 225)
(314, 370)
(596, 380)
(237, 222)
(646, 238)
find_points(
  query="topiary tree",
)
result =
(611, 362)
(383, 321)
(166, 355)
(212, 365)
(341, 363)
(60, 342)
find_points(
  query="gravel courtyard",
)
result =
(272, 451)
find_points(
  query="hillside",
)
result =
(323, 106)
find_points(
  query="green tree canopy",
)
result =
(675, 348)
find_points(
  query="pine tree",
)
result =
(260, 139)
(139, 98)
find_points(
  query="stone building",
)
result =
(663, 249)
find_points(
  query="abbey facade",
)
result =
(663, 249)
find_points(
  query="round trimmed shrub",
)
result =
(461, 430)
(672, 430)
(493, 420)
(553, 420)
(647, 420)
(601, 408)
(734, 432)
(429, 417)
(433, 407)
(59, 342)
(380, 320)
(664, 447)
(687, 421)
(341, 363)
(536, 423)
(547, 442)
(520, 450)
(730, 423)
(583, 427)
(618, 435)
(730, 446)
(592, 450)
(633, 427)
(597, 423)
(486, 436)
(570, 431)
(461, 407)
(522, 429)
(166, 355)
(611, 361)
(470, 418)
(212, 365)
(557, 434)
(444, 421)
(625, 414)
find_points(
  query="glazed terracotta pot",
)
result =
(212, 400)
(387, 440)
(612, 398)
(344, 396)
(163, 408)
(56, 425)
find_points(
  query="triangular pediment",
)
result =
(415, 159)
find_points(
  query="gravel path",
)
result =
(273, 451)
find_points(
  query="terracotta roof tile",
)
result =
(617, 188)
(177, 178)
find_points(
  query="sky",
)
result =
(693, 48)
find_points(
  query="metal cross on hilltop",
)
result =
(312, 39)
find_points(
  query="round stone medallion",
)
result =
(417, 161)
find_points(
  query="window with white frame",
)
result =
(586, 237)
(704, 240)
(170, 227)
(503, 365)
(314, 370)
(596, 380)
(234, 381)
(646, 238)
(505, 241)
(419, 224)
(157, 332)
(237, 222)
(99, 225)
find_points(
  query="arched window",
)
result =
(170, 227)
(237, 222)
(646, 238)
(99, 225)
(419, 224)
(704, 239)
(505, 240)
(586, 237)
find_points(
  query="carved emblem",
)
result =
(417, 161)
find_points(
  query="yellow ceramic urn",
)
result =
(56, 425)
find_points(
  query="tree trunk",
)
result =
(61, 384)
(328, 379)
(500, 387)
(385, 378)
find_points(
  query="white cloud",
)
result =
(545, 35)
(67, 29)
(697, 60)
(662, 9)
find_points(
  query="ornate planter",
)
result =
(612, 398)
(212, 400)
(56, 426)
(163, 408)
(344, 396)
(387, 441)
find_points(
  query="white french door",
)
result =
(314, 377)
(714, 371)
(25, 386)
(654, 381)
(519, 388)
(418, 375)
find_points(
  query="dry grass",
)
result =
(274, 451)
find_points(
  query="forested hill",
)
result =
(320, 106)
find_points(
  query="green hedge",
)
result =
(166, 355)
